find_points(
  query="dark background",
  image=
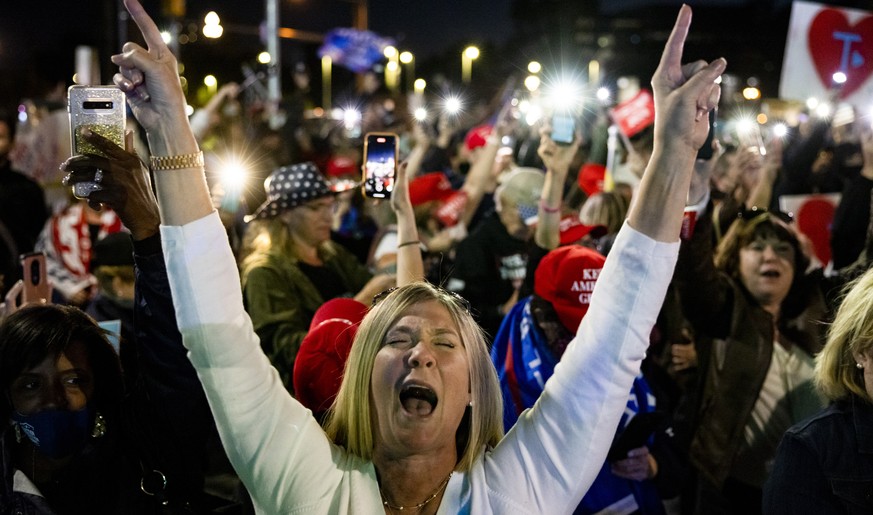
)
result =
(38, 38)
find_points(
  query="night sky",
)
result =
(37, 38)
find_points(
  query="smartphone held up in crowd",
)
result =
(563, 128)
(380, 164)
(35, 276)
(102, 110)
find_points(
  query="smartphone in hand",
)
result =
(636, 434)
(35, 276)
(563, 128)
(380, 164)
(102, 110)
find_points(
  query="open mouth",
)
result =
(773, 274)
(418, 400)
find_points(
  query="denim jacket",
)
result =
(824, 464)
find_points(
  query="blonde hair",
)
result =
(350, 419)
(607, 208)
(836, 375)
(266, 236)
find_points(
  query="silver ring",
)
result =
(98, 176)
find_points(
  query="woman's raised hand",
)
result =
(684, 94)
(149, 76)
(124, 186)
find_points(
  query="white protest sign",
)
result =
(824, 40)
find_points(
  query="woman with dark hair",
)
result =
(757, 312)
(76, 440)
(63, 389)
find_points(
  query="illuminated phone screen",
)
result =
(563, 129)
(380, 165)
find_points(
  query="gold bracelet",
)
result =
(180, 162)
(408, 243)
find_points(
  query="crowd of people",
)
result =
(516, 330)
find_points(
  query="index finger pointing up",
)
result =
(147, 27)
(671, 59)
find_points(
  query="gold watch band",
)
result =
(179, 162)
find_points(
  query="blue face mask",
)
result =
(56, 433)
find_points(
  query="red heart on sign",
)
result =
(835, 45)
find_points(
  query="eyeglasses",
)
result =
(460, 301)
(755, 212)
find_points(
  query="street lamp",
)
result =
(534, 67)
(419, 85)
(326, 75)
(407, 59)
(392, 67)
(212, 25)
(469, 54)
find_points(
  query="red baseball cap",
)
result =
(428, 187)
(341, 165)
(566, 278)
(573, 230)
(321, 360)
(477, 137)
(591, 177)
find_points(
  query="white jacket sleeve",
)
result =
(275, 445)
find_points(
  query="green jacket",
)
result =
(281, 300)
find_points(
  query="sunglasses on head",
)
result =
(756, 212)
(460, 301)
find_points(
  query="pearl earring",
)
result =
(859, 365)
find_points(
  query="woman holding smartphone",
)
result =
(294, 267)
(416, 425)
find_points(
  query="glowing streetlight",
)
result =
(532, 82)
(594, 71)
(326, 76)
(264, 58)
(166, 37)
(419, 85)
(534, 67)
(420, 114)
(210, 82)
(751, 93)
(407, 59)
(212, 25)
(840, 78)
(469, 54)
(392, 68)
(603, 94)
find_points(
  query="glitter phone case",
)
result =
(101, 109)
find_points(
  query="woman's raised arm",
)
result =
(150, 79)
(684, 95)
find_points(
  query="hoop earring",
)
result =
(99, 426)
(18, 435)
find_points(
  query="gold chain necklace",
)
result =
(421, 504)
